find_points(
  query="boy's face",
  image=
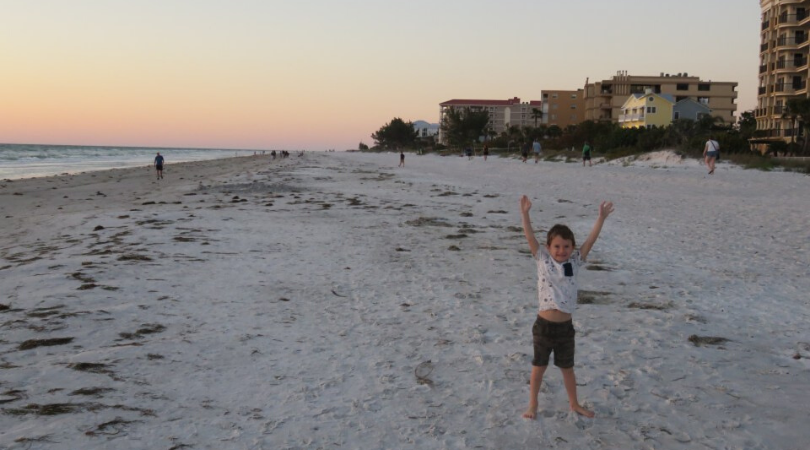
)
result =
(560, 249)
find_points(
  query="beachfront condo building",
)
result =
(783, 69)
(604, 99)
(502, 113)
(563, 108)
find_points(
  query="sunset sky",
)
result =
(325, 74)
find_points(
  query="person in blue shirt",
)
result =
(159, 166)
(536, 148)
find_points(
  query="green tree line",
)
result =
(461, 127)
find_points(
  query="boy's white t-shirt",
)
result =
(554, 289)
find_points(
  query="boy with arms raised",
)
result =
(558, 263)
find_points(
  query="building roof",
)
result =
(508, 102)
(688, 101)
(667, 97)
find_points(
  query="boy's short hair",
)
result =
(561, 231)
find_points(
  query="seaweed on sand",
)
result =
(34, 343)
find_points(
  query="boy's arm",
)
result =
(525, 205)
(604, 211)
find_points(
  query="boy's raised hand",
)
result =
(605, 209)
(525, 204)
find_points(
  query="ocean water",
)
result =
(27, 161)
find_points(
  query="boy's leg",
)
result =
(570, 381)
(534, 390)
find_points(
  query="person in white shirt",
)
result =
(553, 332)
(710, 153)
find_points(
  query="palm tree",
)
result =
(800, 107)
(536, 114)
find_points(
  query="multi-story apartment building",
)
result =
(563, 108)
(783, 68)
(502, 113)
(604, 99)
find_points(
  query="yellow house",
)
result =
(647, 110)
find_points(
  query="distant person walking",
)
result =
(525, 152)
(159, 166)
(536, 148)
(401, 158)
(486, 152)
(586, 154)
(710, 153)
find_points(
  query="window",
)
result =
(573, 106)
(676, 115)
(704, 87)
(553, 95)
(651, 110)
(682, 87)
(703, 100)
(650, 99)
(573, 95)
(555, 106)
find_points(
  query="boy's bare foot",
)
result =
(581, 411)
(530, 413)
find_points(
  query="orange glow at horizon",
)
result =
(272, 75)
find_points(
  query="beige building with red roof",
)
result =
(502, 113)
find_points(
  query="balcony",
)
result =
(792, 19)
(762, 90)
(630, 118)
(763, 68)
(778, 110)
(763, 47)
(790, 88)
(791, 41)
(769, 133)
(791, 66)
(765, 25)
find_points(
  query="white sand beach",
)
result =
(336, 301)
